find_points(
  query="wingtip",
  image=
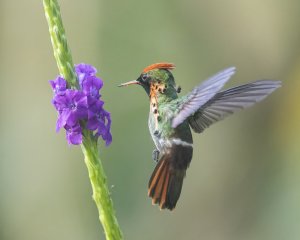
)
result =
(273, 84)
(278, 83)
(231, 69)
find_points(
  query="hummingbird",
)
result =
(171, 119)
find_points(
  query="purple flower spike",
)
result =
(77, 107)
(73, 134)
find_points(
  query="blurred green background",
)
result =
(243, 182)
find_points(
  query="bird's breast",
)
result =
(165, 137)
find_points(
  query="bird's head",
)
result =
(156, 78)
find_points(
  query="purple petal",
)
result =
(74, 134)
(70, 110)
(104, 124)
(91, 86)
(92, 124)
(81, 101)
(59, 85)
(91, 101)
(98, 83)
(84, 70)
(81, 113)
(97, 107)
(92, 114)
(101, 131)
(71, 94)
(108, 139)
(72, 119)
(74, 138)
(62, 120)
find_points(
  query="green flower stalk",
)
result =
(80, 112)
(62, 52)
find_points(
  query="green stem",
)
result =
(101, 193)
(62, 52)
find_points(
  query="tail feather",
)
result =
(174, 188)
(159, 186)
(164, 193)
(155, 177)
(165, 184)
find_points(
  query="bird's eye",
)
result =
(145, 77)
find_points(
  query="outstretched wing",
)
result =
(229, 101)
(187, 105)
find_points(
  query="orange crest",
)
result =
(169, 66)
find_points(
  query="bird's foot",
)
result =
(156, 133)
(155, 155)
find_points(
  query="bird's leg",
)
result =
(155, 155)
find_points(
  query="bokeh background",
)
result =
(243, 182)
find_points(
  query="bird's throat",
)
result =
(155, 89)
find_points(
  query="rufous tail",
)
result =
(165, 183)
